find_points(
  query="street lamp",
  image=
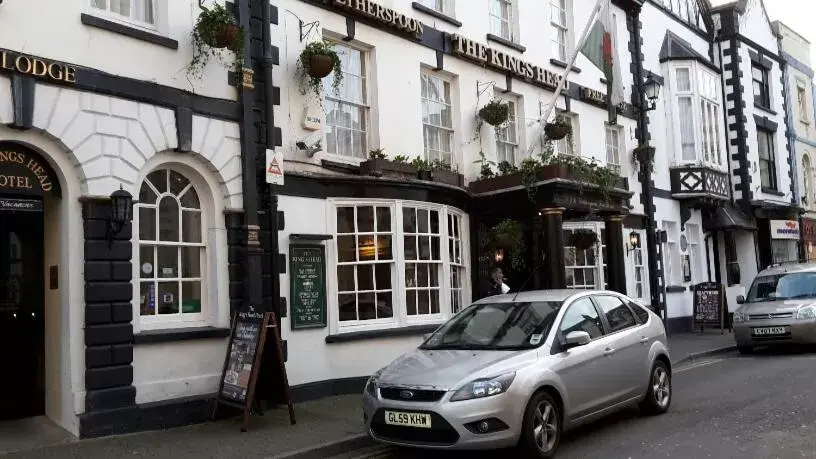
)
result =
(651, 88)
(121, 212)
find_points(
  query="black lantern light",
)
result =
(121, 211)
(651, 88)
(634, 241)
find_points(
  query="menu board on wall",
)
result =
(307, 292)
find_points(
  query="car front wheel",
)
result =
(659, 393)
(541, 428)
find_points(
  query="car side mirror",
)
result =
(740, 299)
(577, 338)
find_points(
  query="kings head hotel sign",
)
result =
(11, 62)
(383, 15)
(23, 173)
(503, 62)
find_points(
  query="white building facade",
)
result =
(403, 252)
(105, 323)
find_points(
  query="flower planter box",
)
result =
(555, 171)
(448, 177)
(385, 168)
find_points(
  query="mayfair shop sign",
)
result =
(12, 62)
(381, 14)
(503, 62)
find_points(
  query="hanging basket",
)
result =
(495, 113)
(320, 65)
(225, 36)
(557, 130)
(583, 240)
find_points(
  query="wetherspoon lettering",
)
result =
(384, 15)
(504, 62)
(23, 182)
(34, 66)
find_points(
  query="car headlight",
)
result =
(482, 388)
(740, 316)
(371, 384)
(806, 313)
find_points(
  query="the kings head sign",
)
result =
(23, 172)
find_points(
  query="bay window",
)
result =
(697, 108)
(398, 263)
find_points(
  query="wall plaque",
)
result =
(307, 293)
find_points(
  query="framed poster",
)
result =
(307, 288)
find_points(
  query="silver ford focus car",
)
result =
(519, 369)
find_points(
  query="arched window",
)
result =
(171, 249)
(807, 184)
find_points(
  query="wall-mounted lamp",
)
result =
(651, 88)
(121, 212)
(499, 256)
(634, 242)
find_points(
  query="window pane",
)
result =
(177, 183)
(167, 261)
(686, 119)
(191, 226)
(159, 180)
(384, 250)
(168, 219)
(347, 305)
(346, 249)
(365, 219)
(367, 306)
(382, 273)
(146, 262)
(147, 298)
(168, 298)
(383, 219)
(345, 278)
(365, 277)
(366, 250)
(409, 220)
(683, 80)
(147, 224)
(190, 199)
(146, 194)
(191, 297)
(190, 262)
(345, 220)
(582, 316)
(617, 314)
(385, 307)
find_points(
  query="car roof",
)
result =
(539, 295)
(788, 268)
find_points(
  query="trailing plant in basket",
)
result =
(508, 234)
(495, 112)
(529, 176)
(316, 62)
(582, 239)
(644, 156)
(559, 128)
(216, 29)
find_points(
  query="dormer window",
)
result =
(697, 114)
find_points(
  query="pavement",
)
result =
(330, 427)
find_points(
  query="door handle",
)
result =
(609, 351)
(644, 340)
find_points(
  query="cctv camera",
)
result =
(301, 145)
(311, 144)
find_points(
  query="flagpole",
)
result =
(564, 76)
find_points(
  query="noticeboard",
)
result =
(307, 292)
(709, 304)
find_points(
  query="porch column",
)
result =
(553, 269)
(615, 256)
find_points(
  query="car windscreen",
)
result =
(785, 286)
(503, 326)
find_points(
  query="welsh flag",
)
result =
(601, 50)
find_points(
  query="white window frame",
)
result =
(330, 97)
(510, 21)
(802, 102)
(672, 268)
(694, 238)
(106, 13)
(708, 139)
(599, 250)
(400, 317)
(505, 142)
(638, 263)
(569, 144)
(159, 321)
(614, 147)
(450, 130)
(446, 7)
(561, 51)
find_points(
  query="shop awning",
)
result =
(728, 218)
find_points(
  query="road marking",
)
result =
(698, 365)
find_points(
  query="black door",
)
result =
(22, 297)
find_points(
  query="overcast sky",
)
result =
(796, 14)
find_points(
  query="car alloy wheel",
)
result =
(661, 386)
(545, 427)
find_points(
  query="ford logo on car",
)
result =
(407, 394)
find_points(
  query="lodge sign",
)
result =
(381, 14)
(37, 67)
(23, 173)
(503, 62)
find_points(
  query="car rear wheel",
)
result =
(659, 394)
(541, 429)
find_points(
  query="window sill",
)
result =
(412, 330)
(772, 191)
(506, 42)
(765, 109)
(675, 289)
(132, 32)
(179, 334)
(563, 65)
(439, 15)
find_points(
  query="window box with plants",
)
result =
(379, 165)
(438, 171)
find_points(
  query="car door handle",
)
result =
(609, 351)
(644, 340)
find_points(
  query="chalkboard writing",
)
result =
(241, 357)
(708, 304)
(307, 273)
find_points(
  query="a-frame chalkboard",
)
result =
(250, 330)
